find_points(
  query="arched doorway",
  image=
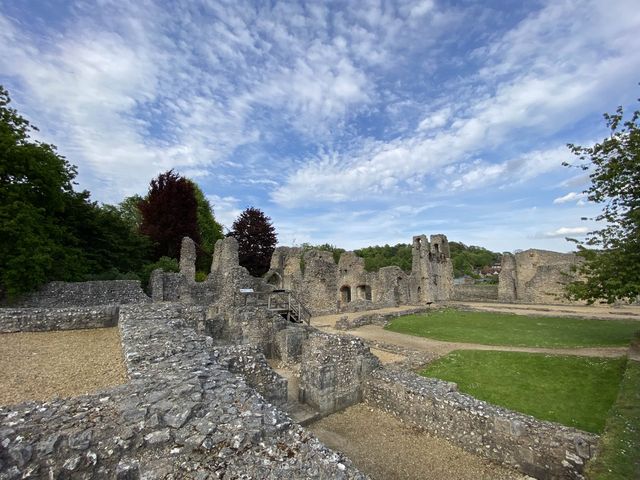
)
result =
(275, 280)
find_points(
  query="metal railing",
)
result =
(284, 302)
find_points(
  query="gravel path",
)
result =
(43, 365)
(386, 448)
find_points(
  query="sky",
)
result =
(353, 123)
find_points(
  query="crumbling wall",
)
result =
(475, 293)
(333, 370)
(431, 269)
(221, 287)
(181, 414)
(319, 287)
(541, 449)
(86, 294)
(188, 259)
(49, 319)
(536, 276)
(250, 362)
(391, 287)
(507, 279)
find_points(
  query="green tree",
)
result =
(611, 270)
(47, 230)
(129, 211)
(35, 189)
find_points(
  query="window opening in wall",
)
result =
(363, 292)
(345, 294)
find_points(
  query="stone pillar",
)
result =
(225, 256)
(156, 285)
(188, 259)
(508, 279)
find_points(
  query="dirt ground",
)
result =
(386, 448)
(44, 365)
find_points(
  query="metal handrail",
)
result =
(282, 300)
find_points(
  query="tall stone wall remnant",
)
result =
(188, 259)
(536, 276)
(327, 287)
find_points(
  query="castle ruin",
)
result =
(326, 287)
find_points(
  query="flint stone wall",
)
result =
(86, 294)
(475, 293)
(181, 415)
(333, 370)
(536, 276)
(49, 319)
(541, 449)
(250, 362)
(175, 287)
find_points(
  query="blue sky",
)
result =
(352, 123)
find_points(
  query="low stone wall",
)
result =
(475, 293)
(333, 370)
(541, 449)
(350, 322)
(86, 294)
(182, 415)
(251, 363)
(47, 319)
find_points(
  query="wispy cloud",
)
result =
(571, 197)
(566, 231)
(324, 113)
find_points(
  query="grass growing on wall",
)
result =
(574, 391)
(517, 330)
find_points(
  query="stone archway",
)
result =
(274, 279)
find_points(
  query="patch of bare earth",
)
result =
(386, 448)
(45, 365)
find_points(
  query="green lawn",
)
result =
(619, 455)
(574, 391)
(516, 330)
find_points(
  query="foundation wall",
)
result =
(49, 319)
(543, 450)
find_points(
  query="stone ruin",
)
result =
(326, 287)
(536, 276)
(220, 383)
(531, 276)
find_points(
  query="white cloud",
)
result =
(566, 231)
(225, 209)
(570, 197)
(536, 83)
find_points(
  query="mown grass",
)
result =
(619, 456)
(574, 391)
(516, 330)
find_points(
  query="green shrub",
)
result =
(166, 264)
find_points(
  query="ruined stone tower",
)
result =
(431, 269)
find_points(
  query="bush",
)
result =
(165, 264)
